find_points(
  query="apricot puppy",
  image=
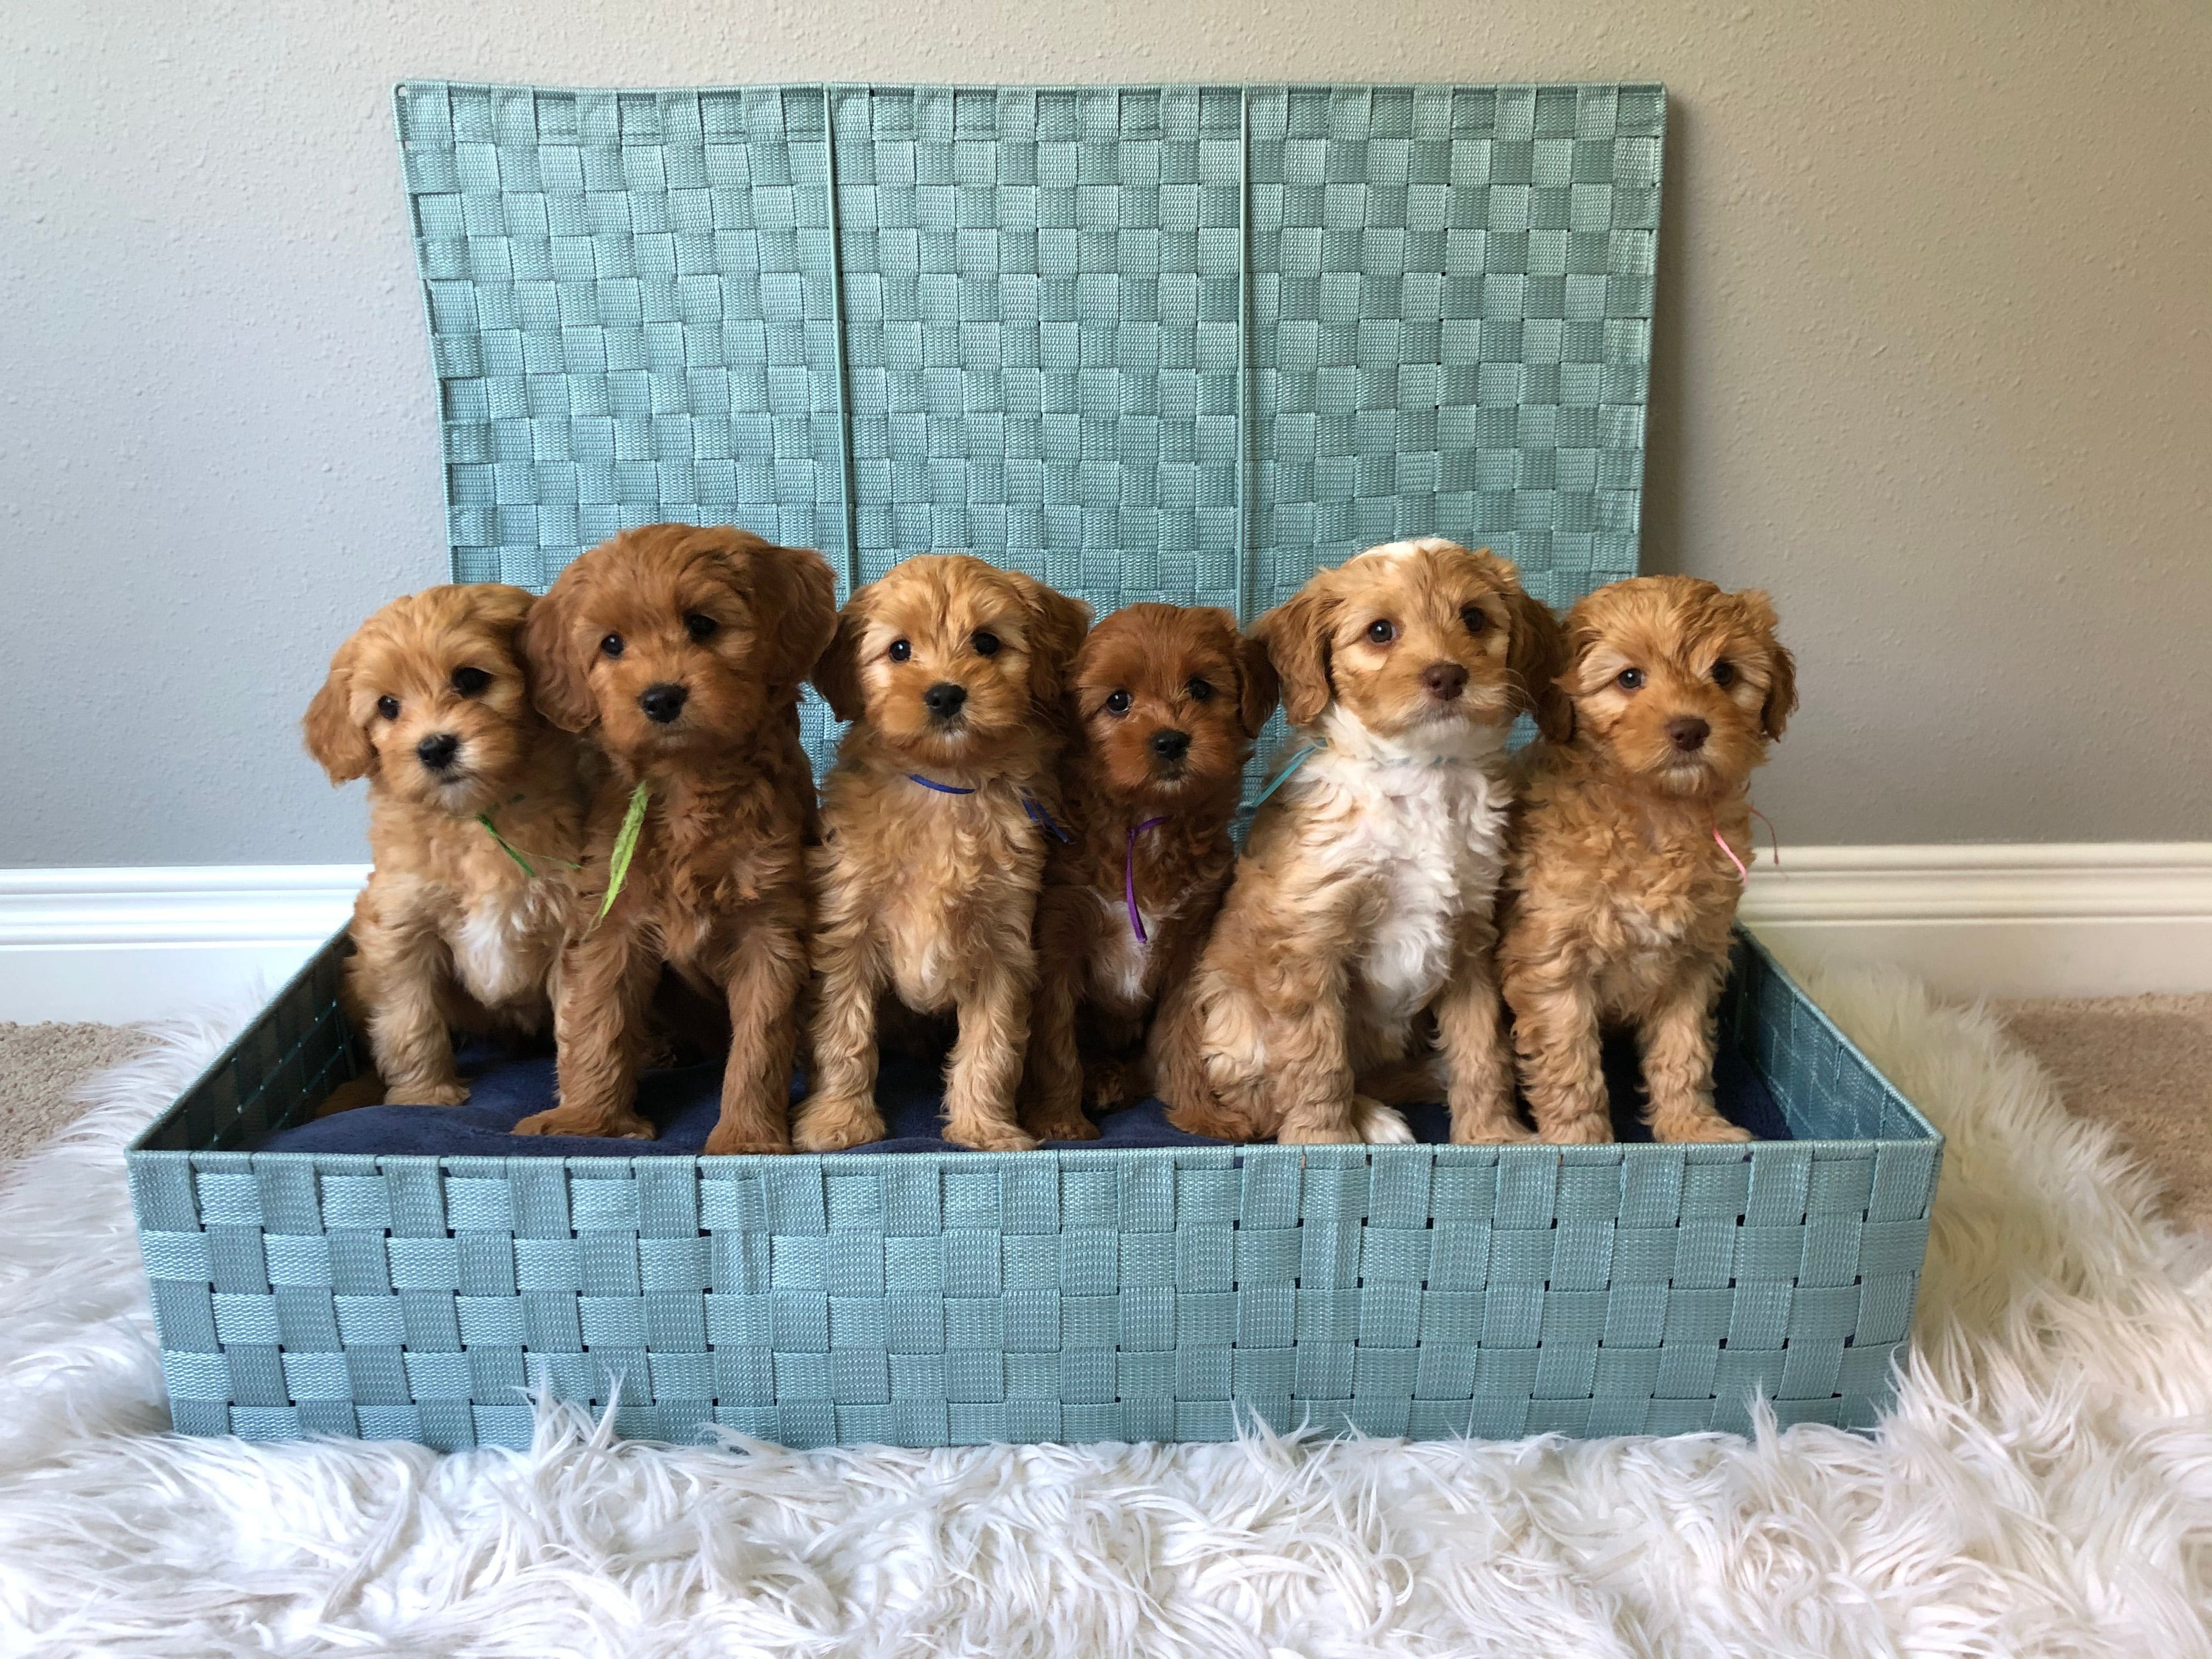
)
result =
(430, 701)
(681, 652)
(1364, 896)
(1624, 867)
(934, 823)
(1163, 705)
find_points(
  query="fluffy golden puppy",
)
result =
(1364, 896)
(429, 699)
(682, 652)
(1164, 703)
(933, 830)
(1624, 863)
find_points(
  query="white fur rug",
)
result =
(2044, 1487)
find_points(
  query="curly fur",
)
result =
(1619, 901)
(922, 896)
(717, 892)
(451, 932)
(1364, 898)
(1148, 679)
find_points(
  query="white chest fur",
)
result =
(1422, 843)
(1117, 968)
(501, 944)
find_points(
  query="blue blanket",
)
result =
(682, 1104)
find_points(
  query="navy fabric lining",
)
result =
(682, 1104)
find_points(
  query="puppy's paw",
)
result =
(1380, 1125)
(1105, 1085)
(572, 1121)
(731, 1138)
(826, 1125)
(426, 1094)
(1060, 1126)
(1590, 1129)
(988, 1136)
(1491, 1129)
(1707, 1126)
(1337, 1132)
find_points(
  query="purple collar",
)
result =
(1030, 804)
(1129, 879)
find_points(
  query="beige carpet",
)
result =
(40, 1066)
(2141, 1064)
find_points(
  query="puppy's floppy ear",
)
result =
(556, 661)
(1781, 667)
(837, 669)
(501, 605)
(1057, 625)
(1261, 687)
(1295, 635)
(795, 594)
(338, 742)
(1536, 656)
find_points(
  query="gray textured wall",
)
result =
(1935, 365)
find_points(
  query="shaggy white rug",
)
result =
(2044, 1485)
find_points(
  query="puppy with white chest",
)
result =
(1630, 850)
(1364, 896)
(683, 651)
(934, 823)
(1164, 701)
(475, 821)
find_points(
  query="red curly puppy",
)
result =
(1626, 854)
(682, 652)
(429, 701)
(934, 825)
(1165, 702)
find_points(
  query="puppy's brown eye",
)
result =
(1723, 672)
(1381, 632)
(1117, 702)
(700, 626)
(613, 645)
(1200, 690)
(388, 707)
(986, 643)
(469, 682)
(900, 651)
(1629, 680)
(1473, 615)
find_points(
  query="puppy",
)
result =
(1627, 853)
(475, 821)
(683, 651)
(1364, 896)
(934, 823)
(1163, 705)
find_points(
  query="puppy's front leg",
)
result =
(985, 1067)
(607, 980)
(764, 988)
(1676, 1040)
(396, 974)
(1555, 1031)
(1309, 1059)
(1471, 1033)
(1052, 1083)
(839, 1108)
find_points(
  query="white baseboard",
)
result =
(2094, 918)
(2053, 920)
(124, 944)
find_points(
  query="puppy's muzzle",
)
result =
(944, 701)
(437, 751)
(1687, 734)
(1444, 681)
(663, 703)
(1170, 747)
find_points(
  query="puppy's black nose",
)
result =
(1445, 680)
(1170, 745)
(663, 703)
(1687, 734)
(943, 699)
(437, 752)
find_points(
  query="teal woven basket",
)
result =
(1175, 342)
